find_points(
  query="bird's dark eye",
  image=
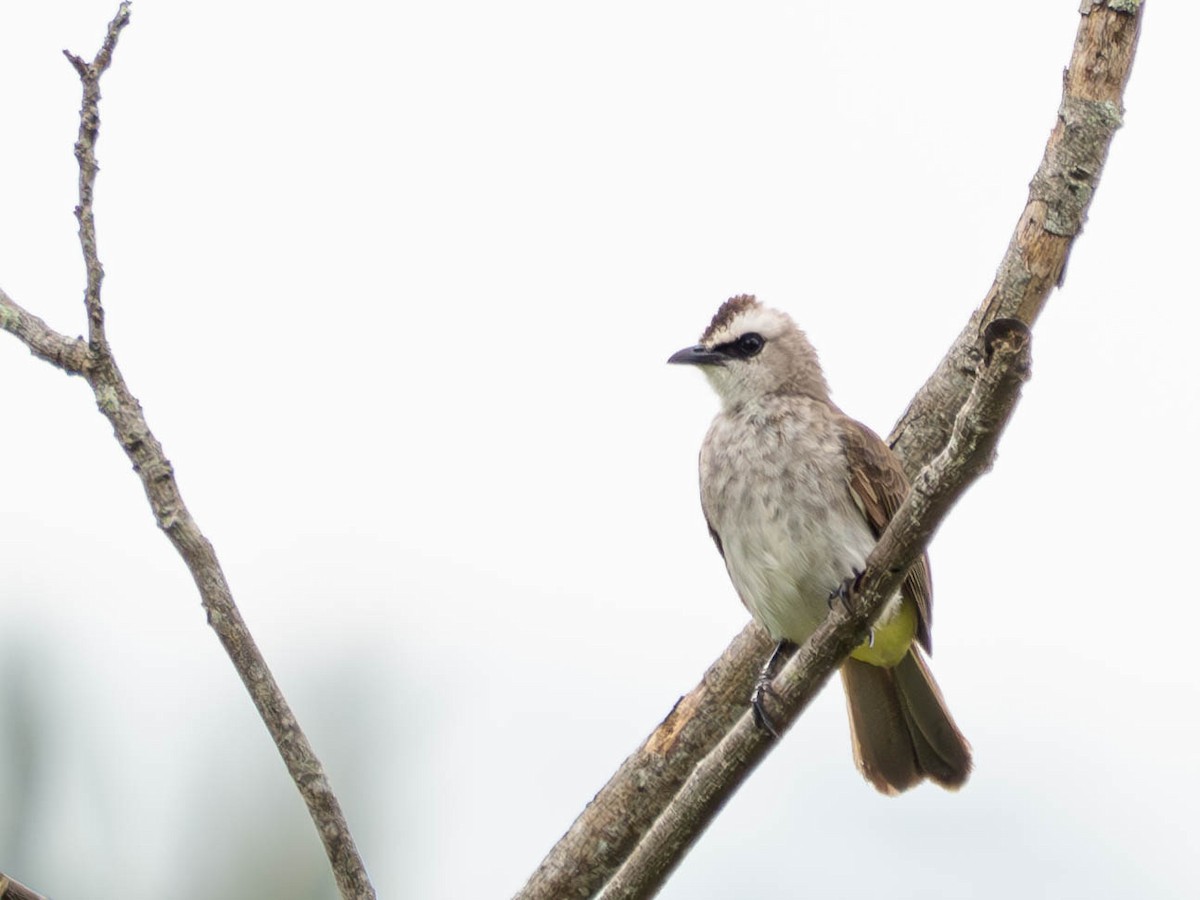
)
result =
(748, 345)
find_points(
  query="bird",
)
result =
(796, 494)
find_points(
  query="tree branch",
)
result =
(95, 362)
(14, 890)
(1059, 196)
(68, 354)
(612, 824)
(85, 154)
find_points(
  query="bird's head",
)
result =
(750, 351)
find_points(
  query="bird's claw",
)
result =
(846, 590)
(762, 690)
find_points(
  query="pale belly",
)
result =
(784, 566)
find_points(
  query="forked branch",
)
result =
(96, 363)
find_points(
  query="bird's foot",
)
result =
(762, 690)
(846, 590)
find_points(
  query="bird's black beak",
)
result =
(698, 356)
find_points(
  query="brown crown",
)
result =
(730, 309)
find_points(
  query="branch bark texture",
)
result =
(621, 814)
(95, 362)
(14, 890)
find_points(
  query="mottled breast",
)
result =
(773, 484)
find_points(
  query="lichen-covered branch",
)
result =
(94, 360)
(611, 826)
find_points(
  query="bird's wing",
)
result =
(878, 485)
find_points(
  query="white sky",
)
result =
(395, 284)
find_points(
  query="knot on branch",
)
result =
(1010, 338)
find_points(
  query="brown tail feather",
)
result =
(900, 728)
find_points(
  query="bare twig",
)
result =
(968, 454)
(610, 827)
(85, 154)
(95, 362)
